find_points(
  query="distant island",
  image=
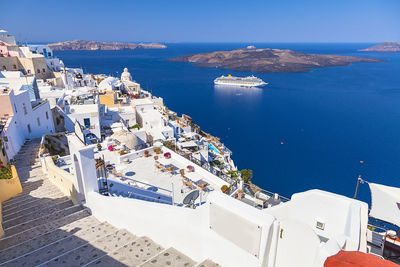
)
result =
(384, 47)
(268, 60)
(93, 45)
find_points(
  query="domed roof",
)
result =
(127, 138)
(126, 76)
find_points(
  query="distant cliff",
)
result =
(92, 45)
(384, 47)
(268, 60)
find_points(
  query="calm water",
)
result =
(329, 119)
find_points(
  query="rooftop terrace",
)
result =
(167, 175)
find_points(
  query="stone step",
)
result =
(39, 188)
(39, 206)
(208, 263)
(132, 254)
(35, 180)
(39, 192)
(40, 241)
(55, 249)
(93, 250)
(27, 175)
(42, 220)
(33, 202)
(169, 257)
(26, 162)
(32, 185)
(31, 215)
(11, 240)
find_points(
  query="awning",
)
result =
(188, 144)
(385, 203)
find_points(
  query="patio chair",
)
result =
(159, 167)
(170, 170)
(182, 172)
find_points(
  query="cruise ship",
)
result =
(250, 81)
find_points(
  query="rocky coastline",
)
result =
(93, 45)
(268, 60)
(383, 47)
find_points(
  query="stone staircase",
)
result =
(44, 228)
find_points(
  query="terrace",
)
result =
(164, 178)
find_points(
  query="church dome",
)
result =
(126, 76)
(127, 138)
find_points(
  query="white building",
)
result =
(109, 84)
(15, 79)
(84, 108)
(151, 119)
(26, 119)
(130, 86)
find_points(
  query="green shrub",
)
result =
(5, 172)
(137, 126)
(54, 158)
(246, 175)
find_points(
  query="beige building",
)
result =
(20, 58)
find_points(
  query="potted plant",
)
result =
(225, 189)
(157, 150)
(146, 153)
(240, 194)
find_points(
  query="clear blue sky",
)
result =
(204, 20)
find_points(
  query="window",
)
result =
(43, 70)
(29, 71)
(38, 70)
(29, 128)
(38, 121)
(24, 107)
(86, 122)
(47, 115)
(4, 67)
(15, 67)
(15, 108)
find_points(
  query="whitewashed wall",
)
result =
(188, 230)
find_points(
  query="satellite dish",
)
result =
(191, 198)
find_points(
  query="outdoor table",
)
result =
(164, 161)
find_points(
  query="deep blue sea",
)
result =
(328, 119)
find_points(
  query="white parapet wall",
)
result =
(224, 230)
(64, 180)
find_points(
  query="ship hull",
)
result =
(239, 84)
